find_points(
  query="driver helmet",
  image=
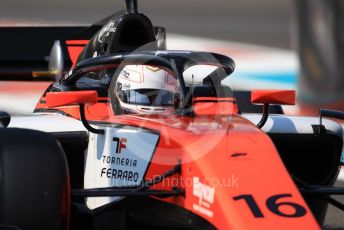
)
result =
(145, 89)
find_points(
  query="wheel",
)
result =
(34, 181)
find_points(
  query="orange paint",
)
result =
(75, 47)
(56, 99)
(223, 155)
(280, 97)
(214, 105)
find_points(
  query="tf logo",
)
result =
(121, 144)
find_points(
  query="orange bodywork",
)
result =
(281, 97)
(54, 99)
(223, 157)
(231, 156)
(214, 106)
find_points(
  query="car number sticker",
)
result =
(119, 158)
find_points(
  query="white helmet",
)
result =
(146, 89)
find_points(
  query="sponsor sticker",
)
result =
(105, 32)
(119, 158)
(131, 75)
(153, 68)
(205, 195)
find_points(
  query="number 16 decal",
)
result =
(273, 205)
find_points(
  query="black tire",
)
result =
(34, 181)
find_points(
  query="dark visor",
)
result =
(150, 97)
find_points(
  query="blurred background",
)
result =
(264, 22)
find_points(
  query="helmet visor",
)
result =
(147, 97)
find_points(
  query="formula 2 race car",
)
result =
(131, 138)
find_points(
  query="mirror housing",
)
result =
(5, 119)
(280, 97)
(267, 97)
(56, 99)
(56, 61)
(56, 65)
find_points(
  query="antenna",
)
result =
(131, 5)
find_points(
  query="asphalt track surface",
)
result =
(262, 22)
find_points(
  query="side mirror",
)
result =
(56, 99)
(280, 97)
(56, 61)
(267, 97)
(5, 119)
(56, 64)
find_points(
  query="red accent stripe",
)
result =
(74, 53)
(213, 98)
(77, 42)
